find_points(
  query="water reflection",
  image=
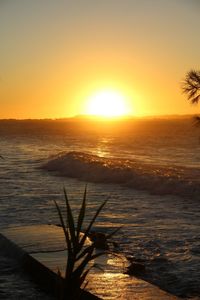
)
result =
(103, 148)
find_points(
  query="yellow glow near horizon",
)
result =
(107, 104)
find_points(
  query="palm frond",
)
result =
(191, 86)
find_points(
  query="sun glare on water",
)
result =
(107, 104)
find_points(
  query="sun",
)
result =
(107, 104)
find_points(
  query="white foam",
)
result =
(174, 180)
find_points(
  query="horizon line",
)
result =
(92, 117)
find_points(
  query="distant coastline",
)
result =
(97, 118)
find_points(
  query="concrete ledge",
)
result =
(112, 284)
(40, 274)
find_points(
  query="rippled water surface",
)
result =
(153, 173)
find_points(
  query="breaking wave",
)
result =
(157, 179)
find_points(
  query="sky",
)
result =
(54, 55)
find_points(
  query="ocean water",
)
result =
(149, 169)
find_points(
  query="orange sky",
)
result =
(55, 54)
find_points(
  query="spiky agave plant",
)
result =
(79, 255)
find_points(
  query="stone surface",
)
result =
(46, 244)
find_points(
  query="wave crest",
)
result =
(173, 180)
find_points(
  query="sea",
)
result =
(148, 169)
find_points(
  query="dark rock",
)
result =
(136, 269)
(99, 240)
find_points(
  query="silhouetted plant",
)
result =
(79, 255)
(191, 87)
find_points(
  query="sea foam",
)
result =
(156, 179)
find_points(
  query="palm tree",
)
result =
(191, 87)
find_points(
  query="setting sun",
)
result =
(107, 104)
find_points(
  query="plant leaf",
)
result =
(100, 254)
(79, 270)
(82, 213)
(91, 223)
(85, 251)
(113, 233)
(82, 278)
(63, 225)
(70, 220)
(70, 264)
